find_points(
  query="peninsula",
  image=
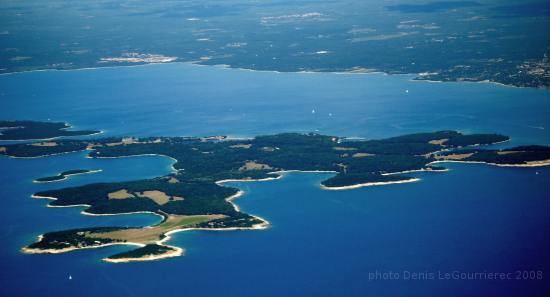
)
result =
(32, 130)
(64, 175)
(194, 197)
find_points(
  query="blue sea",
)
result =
(441, 236)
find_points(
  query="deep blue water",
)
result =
(474, 218)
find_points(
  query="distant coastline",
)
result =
(416, 76)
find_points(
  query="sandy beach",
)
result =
(528, 164)
(27, 250)
(42, 156)
(413, 171)
(411, 180)
(175, 253)
(66, 176)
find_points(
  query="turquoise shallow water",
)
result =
(473, 218)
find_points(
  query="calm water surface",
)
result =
(473, 218)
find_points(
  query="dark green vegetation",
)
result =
(201, 162)
(505, 41)
(147, 250)
(24, 150)
(29, 130)
(61, 176)
(343, 180)
(200, 197)
(194, 189)
(451, 139)
(75, 238)
(50, 178)
(521, 155)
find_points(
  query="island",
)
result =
(194, 196)
(33, 130)
(64, 175)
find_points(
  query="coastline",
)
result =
(27, 250)
(248, 180)
(417, 76)
(48, 155)
(66, 176)
(527, 165)
(490, 82)
(240, 193)
(174, 170)
(414, 171)
(53, 138)
(356, 186)
(263, 224)
(180, 251)
(175, 253)
(84, 212)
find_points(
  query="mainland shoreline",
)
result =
(417, 77)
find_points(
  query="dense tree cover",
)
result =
(452, 138)
(202, 162)
(75, 171)
(238, 220)
(476, 139)
(28, 150)
(149, 249)
(62, 175)
(512, 156)
(199, 197)
(386, 164)
(25, 130)
(72, 238)
(50, 178)
(424, 137)
(346, 179)
(517, 155)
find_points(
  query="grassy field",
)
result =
(149, 235)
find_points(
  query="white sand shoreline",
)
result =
(414, 171)
(27, 250)
(52, 138)
(356, 186)
(66, 176)
(528, 165)
(176, 251)
(93, 214)
(48, 155)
